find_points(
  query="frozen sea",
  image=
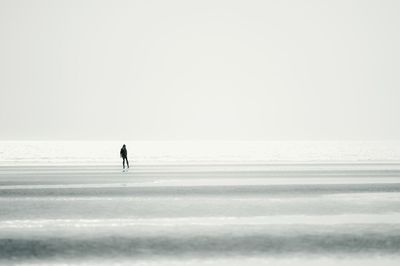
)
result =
(208, 203)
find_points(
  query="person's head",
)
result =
(123, 146)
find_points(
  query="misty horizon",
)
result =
(210, 70)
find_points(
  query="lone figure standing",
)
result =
(124, 155)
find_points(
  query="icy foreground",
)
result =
(282, 214)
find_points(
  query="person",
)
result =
(124, 155)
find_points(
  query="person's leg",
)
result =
(127, 162)
(123, 163)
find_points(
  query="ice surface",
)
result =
(199, 213)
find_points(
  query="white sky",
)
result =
(200, 70)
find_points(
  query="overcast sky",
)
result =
(200, 70)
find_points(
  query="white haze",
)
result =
(21, 153)
(199, 70)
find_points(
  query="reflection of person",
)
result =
(124, 155)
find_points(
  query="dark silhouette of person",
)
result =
(124, 155)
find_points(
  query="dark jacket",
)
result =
(123, 153)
